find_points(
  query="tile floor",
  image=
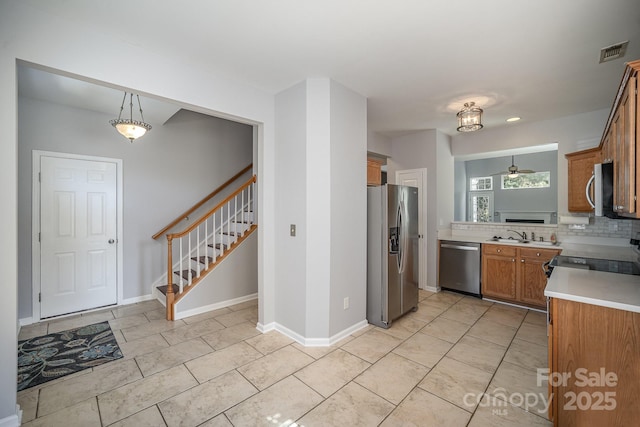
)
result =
(457, 361)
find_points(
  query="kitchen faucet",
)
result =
(522, 235)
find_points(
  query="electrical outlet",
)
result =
(292, 230)
(346, 303)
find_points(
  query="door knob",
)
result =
(111, 241)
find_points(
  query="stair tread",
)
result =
(163, 289)
(185, 274)
(218, 245)
(203, 259)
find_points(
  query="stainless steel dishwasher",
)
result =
(460, 267)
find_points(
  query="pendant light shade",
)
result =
(130, 128)
(469, 118)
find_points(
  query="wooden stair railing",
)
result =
(220, 230)
(195, 207)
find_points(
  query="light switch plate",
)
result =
(292, 230)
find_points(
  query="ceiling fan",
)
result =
(513, 170)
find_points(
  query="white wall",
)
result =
(378, 144)
(348, 208)
(52, 40)
(572, 133)
(291, 182)
(164, 173)
(428, 149)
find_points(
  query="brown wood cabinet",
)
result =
(374, 172)
(622, 132)
(514, 273)
(591, 348)
(580, 171)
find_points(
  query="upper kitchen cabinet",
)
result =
(580, 172)
(374, 172)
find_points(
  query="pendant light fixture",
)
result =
(129, 128)
(469, 118)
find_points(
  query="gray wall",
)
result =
(528, 200)
(165, 172)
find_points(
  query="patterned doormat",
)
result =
(52, 356)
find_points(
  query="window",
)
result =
(481, 204)
(526, 180)
(481, 183)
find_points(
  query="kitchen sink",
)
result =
(521, 241)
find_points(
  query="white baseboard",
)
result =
(432, 289)
(182, 314)
(311, 342)
(12, 420)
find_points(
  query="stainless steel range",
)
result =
(596, 264)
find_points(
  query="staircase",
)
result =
(197, 250)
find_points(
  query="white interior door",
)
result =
(78, 226)
(418, 178)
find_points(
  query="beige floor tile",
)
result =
(494, 412)
(150, 328)
(119, 337)
(512, 380)
(127, 400)
(372, 346)
(127, 322)
(422, 294)
(246, 304)
(219, 421)
(423, 349)
(493, 332)
(169, 357)
(505, 315)
(405, 326)
(207, 315)
(527, 355)
(447, 297)
(207, 400)
(446, 329)
(318, 352)
(478, 353)
(363, 331)
(392, 377)
(138, 347)
(217, 363)
(58, 380)
(141, 307)
(78, 321)
(232, 335)
(194, 330)
(536, 334)
(353, 406)
(83, 414)
(275, 366)
(424, 314)
(465, 312)
(330, 373)
(424, 409)
(78, 389)
(28, 401)
(33, 330)
(452, 381)
(466, 299)
(438, 305)
(280, 404)
(150, 417)
(158, 314)
(536, 318)
(269, 342)
(235, 317)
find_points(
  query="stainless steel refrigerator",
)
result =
(392, 252)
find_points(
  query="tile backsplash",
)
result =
(597, 227)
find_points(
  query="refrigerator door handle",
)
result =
(400, 238)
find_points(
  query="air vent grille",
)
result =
(613, 52)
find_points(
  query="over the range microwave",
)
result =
(599, 190)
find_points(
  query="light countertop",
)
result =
(613, 290)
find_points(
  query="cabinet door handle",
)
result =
(513, 260)
(537, 253)
(521, 260)
(498, 250)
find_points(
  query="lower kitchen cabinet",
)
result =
(594, 363)
(515, 274)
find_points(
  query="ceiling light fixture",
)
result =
(129, 128)
(513, 119)
(469, 118)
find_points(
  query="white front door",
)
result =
(418, 178)
(78, 235)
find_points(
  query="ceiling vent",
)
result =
(613, 52)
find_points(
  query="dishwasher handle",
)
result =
(462, 248)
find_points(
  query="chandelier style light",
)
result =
(469, 118)
(129, 128)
